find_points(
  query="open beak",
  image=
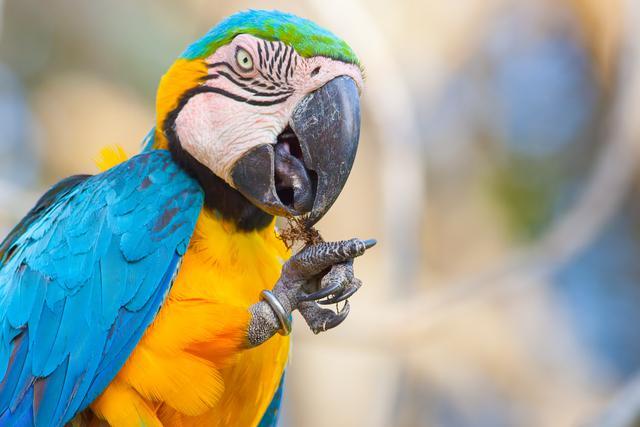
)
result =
(305, 171)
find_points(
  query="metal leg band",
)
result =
(278, 309)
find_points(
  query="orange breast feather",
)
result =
(191, 367)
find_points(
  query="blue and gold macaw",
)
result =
(152, 293)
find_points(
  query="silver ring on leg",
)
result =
(278, 309)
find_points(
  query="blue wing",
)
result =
(272, 414)
(81, 278)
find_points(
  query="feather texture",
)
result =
(192, 367)
(81, 278)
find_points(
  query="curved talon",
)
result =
(338, 318)
(341, 297)
(324, 292)
(369, 243)
(321, 319)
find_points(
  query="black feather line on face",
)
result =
(260, 57)
(239, 98)
(248, 88)
(218, 195)
(230, 68)
(289, 70)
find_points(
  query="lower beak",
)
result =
(309, 165)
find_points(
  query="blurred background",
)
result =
(498, 168)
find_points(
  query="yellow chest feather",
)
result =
(192, 366)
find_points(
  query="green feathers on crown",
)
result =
(307, 38)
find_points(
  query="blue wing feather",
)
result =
(272, 414)
(81, 277)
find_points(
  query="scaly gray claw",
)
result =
(349, 290)
(333, 282)
(324, 292)
(369, 243)
(322, 319)
(314, 259)
(338, 318)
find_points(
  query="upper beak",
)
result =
(309, 165)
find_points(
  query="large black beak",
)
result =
(309, 165)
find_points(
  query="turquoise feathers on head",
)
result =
(306, 37)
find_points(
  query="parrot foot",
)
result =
(335, 286)
(320, 274)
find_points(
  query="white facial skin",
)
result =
(218, 128)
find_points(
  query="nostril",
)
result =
(315, 71)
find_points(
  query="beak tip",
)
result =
(311, 220)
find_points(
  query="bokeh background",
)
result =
(498, 169)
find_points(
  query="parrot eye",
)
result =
(244, 60)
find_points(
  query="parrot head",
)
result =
(264, 110)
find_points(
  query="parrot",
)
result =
(158, 292)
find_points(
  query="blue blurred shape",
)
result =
(18, 154)
(600, 288)
(544, 85)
